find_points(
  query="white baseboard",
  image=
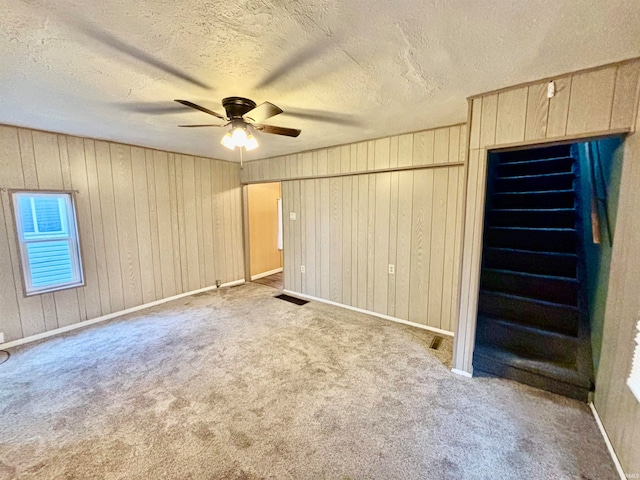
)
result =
(612, 452)
(265, 274)
(86, 323)
(368, 312)
(461, 373)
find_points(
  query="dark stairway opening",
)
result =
(533, 322)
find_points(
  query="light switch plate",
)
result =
(302, 269)
(292, 215)
(392, 269)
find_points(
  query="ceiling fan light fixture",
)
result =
(239, 136)
(228, 142)
(251, 143)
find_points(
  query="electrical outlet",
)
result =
(302, 269)
(292, 215)
(392, 269)
(1, 337)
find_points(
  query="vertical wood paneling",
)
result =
(476, 123)
(536, 113)
(178, 233)
(129, 204)
(325, 238)
(126, 225)
(347, 243)
(309, 199)
(335, 240)
(405, 150)
(371, 231)
(437, 248)
(404, 244)
(423, 147)
(441, 145)
(420, 237)
(617, 406)
(153, 218)
(393, 241)
(626, 88)
(297, 240)
(381, 243)
(488, 120)
(165, 239)
(455, 149)
(190, 222)
(559, 109)
(109, 225)
(512, 108)
(207, 224)
(363, 264)
(143, 224)
(355, 246)
(353, 227)
(591, 101)
(10, 287)
(382, 153)
(96, 220)
(89, 295)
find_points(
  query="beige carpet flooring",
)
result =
(234, 384)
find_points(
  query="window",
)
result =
(48, 238)
(634, 378)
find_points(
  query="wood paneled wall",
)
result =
(349, 228)
(446, 144)
(152, 225)
(589, 103)
(617, 406)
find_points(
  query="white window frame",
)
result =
(68, 234)
(634, 376)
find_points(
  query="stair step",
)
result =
(535, 167)
(526, 341)
(541, 287)
(536, 154)
(558, 378)
(536, 218)
(535, 200)
(534, 239)
(550, 316)
(547, 181)
(526, 261)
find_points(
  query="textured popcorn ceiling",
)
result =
(111, 69)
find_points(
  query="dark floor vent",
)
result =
(436, 342)
(290, 299)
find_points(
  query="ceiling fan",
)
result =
(243, 115)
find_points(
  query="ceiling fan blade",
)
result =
(205, 125)
(262, 112)
(323, 116)
(289, 132)
(202, 109)
(110, 40)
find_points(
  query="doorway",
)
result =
(265, 245)
(549, 228)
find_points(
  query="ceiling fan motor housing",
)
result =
(236, 107)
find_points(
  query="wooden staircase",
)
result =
(532, 315)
